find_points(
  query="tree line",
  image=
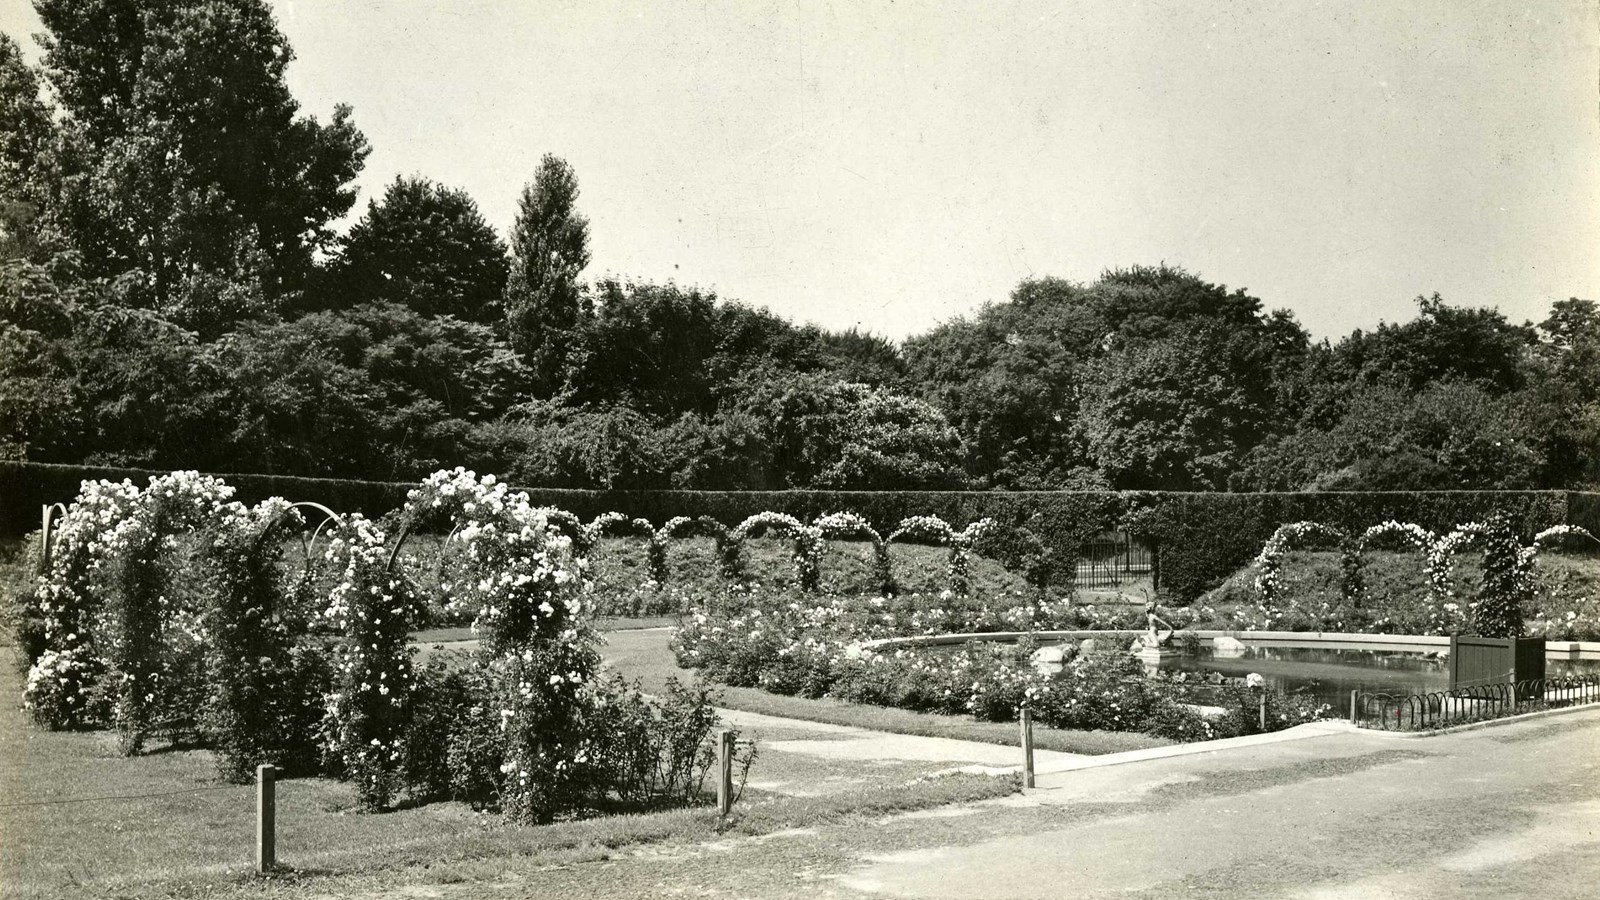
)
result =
(174, 292)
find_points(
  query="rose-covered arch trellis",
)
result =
(147, 630)
(807, 542)
(524, 585)
(1293, 535)
(52, 512)
(618, 524)
(570, 525)
(936, 531)
(1411, 534)
(63, 679)
(846, 525)
(1446, 612)
(730, 563)
(1558, 533)
(255, 711)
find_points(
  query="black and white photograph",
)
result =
(799, 449)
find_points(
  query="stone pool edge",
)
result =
(1333, 640)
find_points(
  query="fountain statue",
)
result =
(1153, 647)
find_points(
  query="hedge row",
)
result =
(1201, 538)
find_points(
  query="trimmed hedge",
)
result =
(1583, 510)
(1201, 538)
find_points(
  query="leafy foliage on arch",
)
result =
(1287, 537)
(1354, 562)
(261, 706)
(844, 525)
(807, 543)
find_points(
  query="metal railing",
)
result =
(1112, 561)
(1469, 703)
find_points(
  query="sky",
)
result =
(889, 166)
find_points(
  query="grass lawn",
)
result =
(61, 838)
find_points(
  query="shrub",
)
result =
(642, 753)
(368, 710)
(265, 697)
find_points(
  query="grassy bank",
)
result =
(1564, 603)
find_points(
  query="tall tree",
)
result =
(426, 246)
(549, 248)
(195, 162)
(26, 136)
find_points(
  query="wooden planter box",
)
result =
(1481, 660)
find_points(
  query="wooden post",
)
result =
(1027, 747)
(44, 541)
(266, 818)
(724, 772)
(1263, 711)
(1353, 707)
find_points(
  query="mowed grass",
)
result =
(77, 820)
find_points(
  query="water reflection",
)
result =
(1330, 675)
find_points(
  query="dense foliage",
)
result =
(173, 293)
(166, 612)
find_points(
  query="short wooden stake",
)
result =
(724, 772)
(1027, 747)
(1353, 707)
(266, 818)
(44, 541)
(1263, 711)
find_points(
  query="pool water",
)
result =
(1330, 675)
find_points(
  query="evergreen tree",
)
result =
(549, 248)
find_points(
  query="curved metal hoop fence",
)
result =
(1441, 709)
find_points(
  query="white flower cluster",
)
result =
(1286, 537)
(86, 617)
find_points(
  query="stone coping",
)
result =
(1559, 650)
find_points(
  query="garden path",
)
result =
(1512, 810)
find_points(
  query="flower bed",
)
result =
(792, 643)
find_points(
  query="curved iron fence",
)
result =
(1470, 703)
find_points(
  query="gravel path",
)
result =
(1510, 811)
